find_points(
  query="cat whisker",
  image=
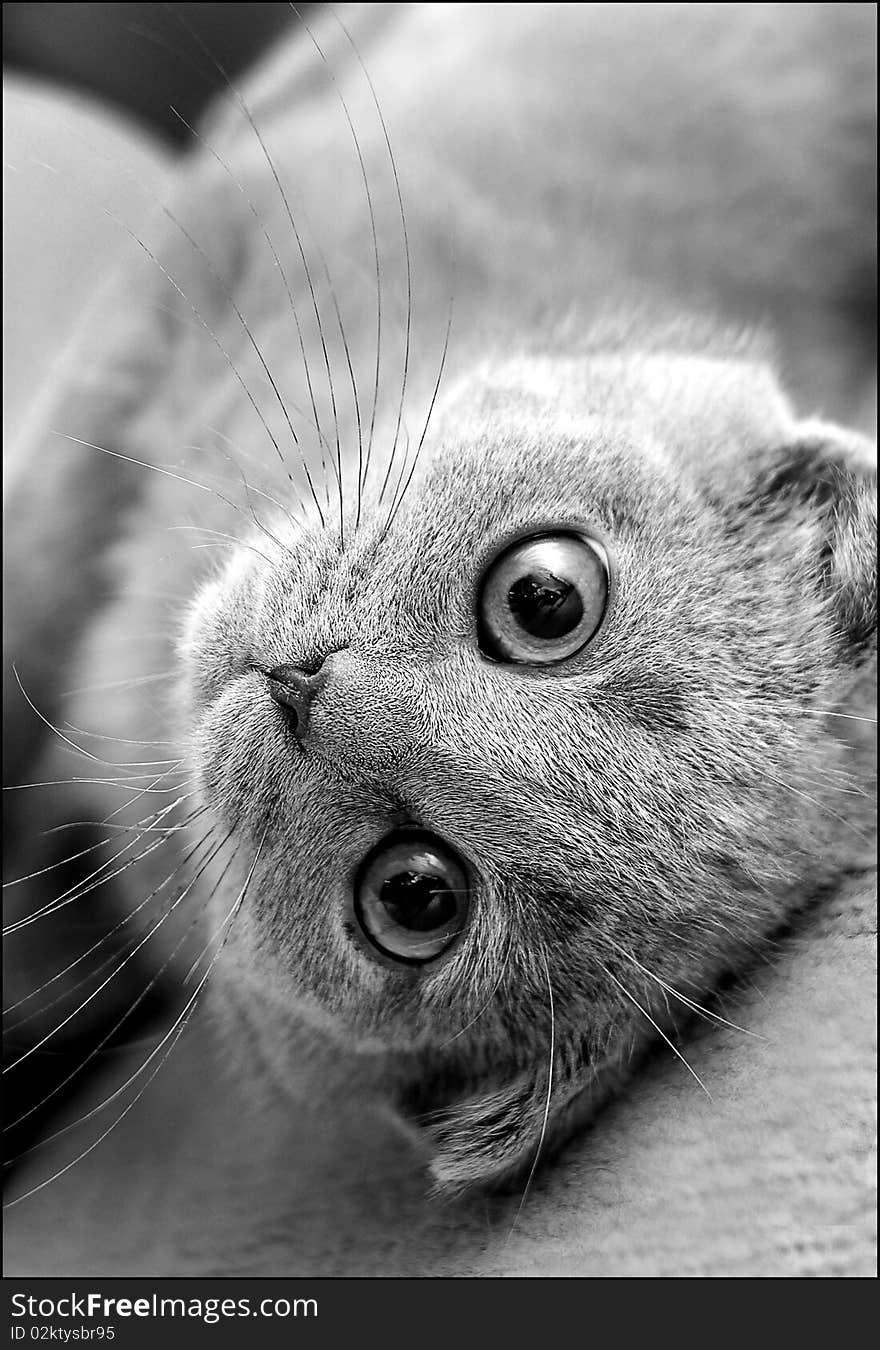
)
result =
(674, 1048)
(550, 1068)
(72, 857)
(118, 740)
(823, 809)
(41, 871)
(26, 998)
(682, 998)
(484, 1007)
(223, 164)
(174, 1032)
(395, 506)
(123, 781)
(32, 1049)
(78, 749)
(406, 249)
(298, 238)
(80, 889)
(154, 980)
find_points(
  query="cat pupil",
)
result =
(418, 901)
(544, 605)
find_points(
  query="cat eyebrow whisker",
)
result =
(825, 810)
(673, 1047)
(406, 249)
(806, 709)
(170, 279)
(173, 1034)
(196, 37)
(223, 164)
(682, 998)
(249, 487)
(403, 467)
(249, 490)
(220, 281)
(123, 829)
(165, 472)
(363, 463)
(395, 506)
(222, 540)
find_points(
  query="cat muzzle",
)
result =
(293, 689)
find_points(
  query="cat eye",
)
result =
(412, 896)
(543, 599)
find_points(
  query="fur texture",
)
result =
(636, 819)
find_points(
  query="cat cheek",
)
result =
(244, 764)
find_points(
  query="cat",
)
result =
(509, 711)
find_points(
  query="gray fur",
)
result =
(670, 795)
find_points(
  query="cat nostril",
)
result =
(296, 677)
(310, 665)
(293, 689)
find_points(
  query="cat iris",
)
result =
(543, 599)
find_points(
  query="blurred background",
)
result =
(88, 88)
(141, 58)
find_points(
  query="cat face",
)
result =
(538, 748)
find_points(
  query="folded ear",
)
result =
(823, 484)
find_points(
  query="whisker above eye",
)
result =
(223, 164)
(395, 505)
(795, 705)
(673, 1047)
(677, 994)
(302, 254)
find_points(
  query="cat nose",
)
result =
(293, 688)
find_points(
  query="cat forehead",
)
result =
(535, 435)
(608, 443)
(689, 405)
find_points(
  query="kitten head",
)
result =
(551, 742)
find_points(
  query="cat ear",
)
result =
(824, 483)
(488, 1139)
